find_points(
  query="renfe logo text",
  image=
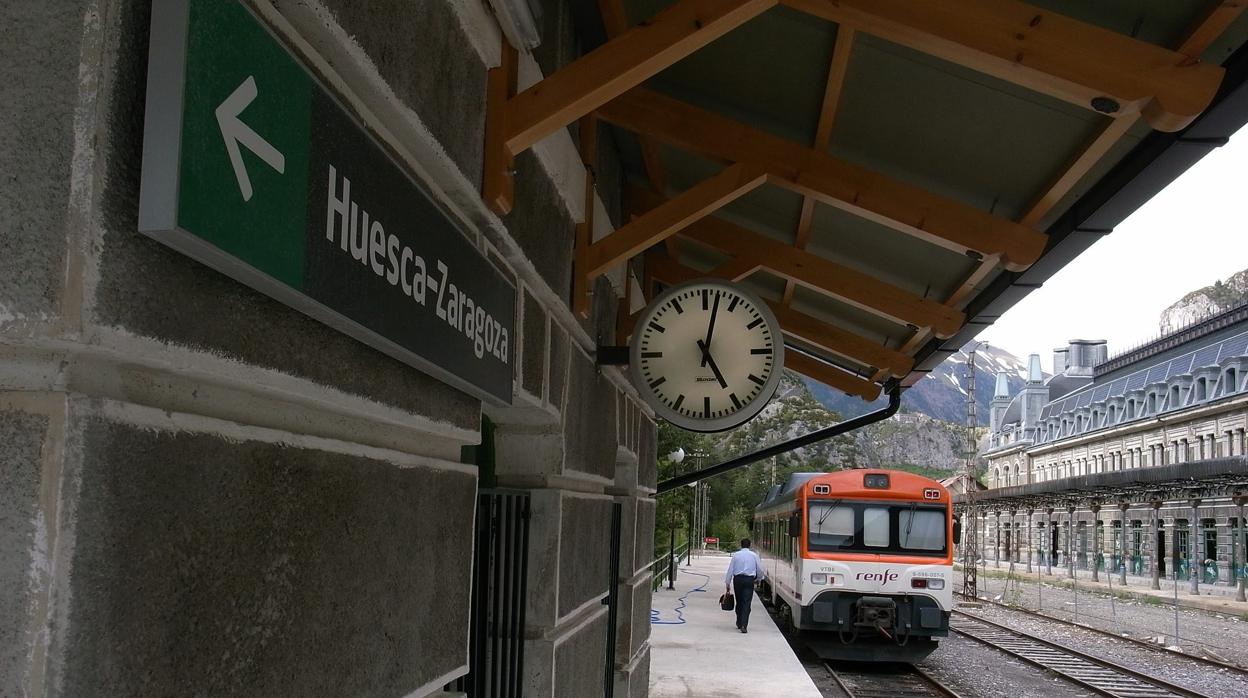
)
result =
(884, 577)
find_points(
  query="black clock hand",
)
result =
(710, 330)
(706, 356)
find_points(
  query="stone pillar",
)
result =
(1194, 565)
(1155, 556)
(1095, 552)
(1031, 527)
(1011, 548)
(1070, 542)
(1243, 549)
(1048, 541)
(1122, 543)
(996, 543)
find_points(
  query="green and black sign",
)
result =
(252, 167)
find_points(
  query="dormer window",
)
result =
(1202, 389)
(1113, 415)
(1230, 381)
(1174, 397)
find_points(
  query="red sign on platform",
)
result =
(710, 540)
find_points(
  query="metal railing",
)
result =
(664, 566)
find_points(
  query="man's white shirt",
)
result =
(744, 561)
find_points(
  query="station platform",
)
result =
(705, 655)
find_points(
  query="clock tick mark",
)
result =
(676, 305)
(706, 407)
(733, 304)
(651, 354)
(756, 379)
(657, 382)
(657, 327)
(763, 350)
(735, 402)
(754, 324)
(679, 400)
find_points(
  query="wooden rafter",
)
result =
(1042, 51)
(671, 217)
(833, 181)
(822, 275)
(811, 330)
(837, 71)
(621, 64)
(1207, 30)
(498, 183)
(616, 23)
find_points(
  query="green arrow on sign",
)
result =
(234, 131)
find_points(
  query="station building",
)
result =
(1178, 402)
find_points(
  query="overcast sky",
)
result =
(1193, 233)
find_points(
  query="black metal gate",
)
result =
(496, 640)
(613, 602)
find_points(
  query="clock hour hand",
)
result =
(710, 330)
(707, 358)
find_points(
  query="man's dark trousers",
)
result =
(743, 589)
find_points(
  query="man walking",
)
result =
(743, 570)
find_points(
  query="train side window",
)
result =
(875, 529)
(921, 529)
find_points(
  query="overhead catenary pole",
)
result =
(970, 536)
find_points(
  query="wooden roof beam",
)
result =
(822, 275)
(837, 70)
(830, 180)
(811, 330)
(1043, 51)
(670, 217)
(621, 64)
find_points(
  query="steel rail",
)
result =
(912, 683)
(1108, 633)
(1099, 675)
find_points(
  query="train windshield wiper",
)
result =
(828, 509)
(910, 523)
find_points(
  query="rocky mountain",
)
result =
(942, 394)
(1203, 302)
(909, 438)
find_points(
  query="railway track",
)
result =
(1093, 673)
(1142, 643)
(909, 682)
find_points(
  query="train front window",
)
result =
(921, 530)
(872, 527)
(831, 525)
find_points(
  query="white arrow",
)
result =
(234, 131)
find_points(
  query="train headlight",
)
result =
(926, 583)
(818, 578)
(936, 584)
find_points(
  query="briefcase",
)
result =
(727, 601)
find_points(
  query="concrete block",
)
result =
(203, 566)
(40, 48)
(589, 419)
(540, 223)
(149, 290)
(23, 542)
(645, 533)
(647, 455)
(580, 660)
(628, 536)
(633, 619)
(584, 551)
(421, 52)
(545, 529)
(633, 680)
(534, 342)
(559, 350)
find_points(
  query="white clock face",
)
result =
(706, 355)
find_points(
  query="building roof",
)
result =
(890, 176)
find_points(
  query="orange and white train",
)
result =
(861, 561)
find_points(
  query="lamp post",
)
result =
(676, 457)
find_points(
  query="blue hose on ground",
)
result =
(680, 617)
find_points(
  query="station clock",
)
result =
(706, 355)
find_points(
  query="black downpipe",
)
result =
(894, 402)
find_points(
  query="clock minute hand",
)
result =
(706, 356)
(710, 330)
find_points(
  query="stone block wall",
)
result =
(203, 491)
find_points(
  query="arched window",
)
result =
(1130, 409)
(1152, 403)
(1112, 415)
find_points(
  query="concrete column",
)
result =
(1070, 542)
(1154, 558)
(996, 543)
(1193, 549)
(1122, 543)
(1097, 532)
(1011, 550)
(1048, 542)
(1243, 549)
(1031, 528)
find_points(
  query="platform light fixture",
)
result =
(521, 21)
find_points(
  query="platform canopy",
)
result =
(890, 175)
